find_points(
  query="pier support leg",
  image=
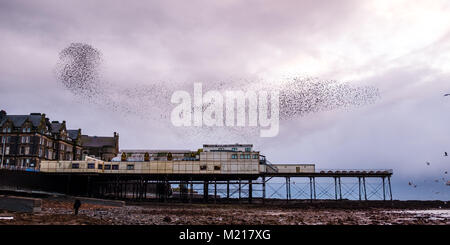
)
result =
(390, 189)
(384, 190)
(205, 190)
(145, 189)
(166, 189)
(365, 190)
(359, 187)
(314, 187)
(340, 189)
(335, 188)
(215, 191)
(250, 191)
(192, 191)
(287, 188)
(228, 190)
(264, 189)
(310, 188)
(239, 190)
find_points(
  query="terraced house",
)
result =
(26, 140)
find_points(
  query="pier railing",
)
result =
(356, 171)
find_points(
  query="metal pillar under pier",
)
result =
(314, 187)
(250, 191)
(205, 190)
(239, 190)
(228, 189)
(390, 189)
(365, 190)
(287, 189)
(215, 191)
(359, 187)
(191, 196)
(335, 188)
(264, 189)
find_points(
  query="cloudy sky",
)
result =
(402, 48)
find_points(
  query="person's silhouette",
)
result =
(76, 206)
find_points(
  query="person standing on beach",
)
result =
(76, 206)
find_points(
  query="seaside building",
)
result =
(27, 140)
(101, 147)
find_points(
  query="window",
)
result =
(242, 156)
(130, 167)
(27, 151)
(91, 165)
(234, 156)
(234, 149)
(7, 150)
(216, 168)
(100, 166)
(107, 166)
(247, 156)
(75, 165)
(202, 167)
(115, 167)
(255, 156)
(248, 149)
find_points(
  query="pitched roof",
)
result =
(55, 126)
(97, 141)
(73, 133)
(18, 120)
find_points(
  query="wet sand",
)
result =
(59, 212)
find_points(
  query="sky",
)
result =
(151, 48)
